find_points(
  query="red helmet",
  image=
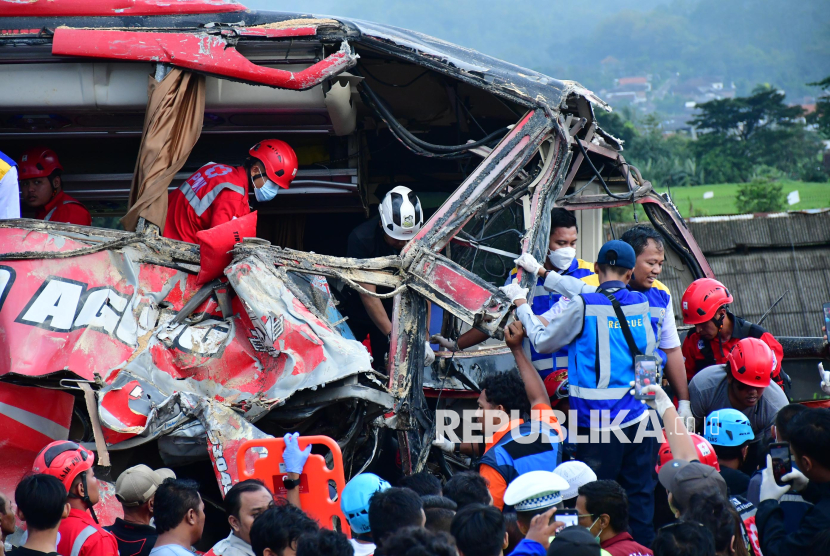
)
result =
(65, 460)
(279, 159)
(556, 384)
(705, 453)
(702, 299)
(752, 362)
(39, 162)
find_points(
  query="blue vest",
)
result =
(511, 458)
(542, 301)
(600, 365)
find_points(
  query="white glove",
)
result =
(514, 292)
(661, 401)
(529, 263)
(444, 444)
(684, 409)
(769, 488)
(797, 478)
(429, 355)
(449, 345)
(825, 379)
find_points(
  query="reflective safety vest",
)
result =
(202, 188)
(511, 457)
(600, 364)
(542, 302)
(198, 203)
(659, 299)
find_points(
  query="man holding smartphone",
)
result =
(809, 438)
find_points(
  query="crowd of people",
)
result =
(627, 476)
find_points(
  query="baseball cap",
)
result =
(138, 484)
(577, 473)
(617, 253)
(684, 479)
(535, 490)
(574, 541)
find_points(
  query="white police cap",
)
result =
(535, 490)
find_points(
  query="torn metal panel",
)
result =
(556, 157)
(202, 52)
(457, 290)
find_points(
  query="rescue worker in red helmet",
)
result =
(39, 174)
(80, 534)
(742, 383)
(705, 305)
(218, 193)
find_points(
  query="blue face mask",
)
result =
(267, 191)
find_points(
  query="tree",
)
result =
(737, 134)
(822, 114)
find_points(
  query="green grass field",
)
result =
(690, 201)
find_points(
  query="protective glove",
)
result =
(529, 263)
(684, 409)
(825, 379)
(449, 345)
(661, 401)
(444, 444)
(514, 292)
(429, 355)
(797, 479)
(769, 488)
(293, 457)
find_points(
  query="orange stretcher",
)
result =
(320, 487)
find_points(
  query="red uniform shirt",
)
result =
(81, 536)
(699, 354)
(212, 196)
(63, 208)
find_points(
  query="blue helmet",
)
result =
(727, 427)
(354, 500)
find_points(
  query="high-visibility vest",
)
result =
(600, 364)
(542, 301)
(511, 458)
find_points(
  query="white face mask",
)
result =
(562, 257)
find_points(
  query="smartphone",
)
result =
(567, 516)
(646, 373)
(782, 462)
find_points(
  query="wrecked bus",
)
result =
(109, 339)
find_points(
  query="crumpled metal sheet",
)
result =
(109, 317)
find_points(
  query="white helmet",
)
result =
(401, 214)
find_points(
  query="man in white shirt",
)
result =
(179, 513)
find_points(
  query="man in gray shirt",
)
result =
(743, 384)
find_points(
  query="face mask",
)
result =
(600, 531)
(266, 192)
(562, 258)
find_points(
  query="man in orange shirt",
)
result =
(504, 457)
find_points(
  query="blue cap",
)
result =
(617, 253)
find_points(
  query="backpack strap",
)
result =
(629, 338)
